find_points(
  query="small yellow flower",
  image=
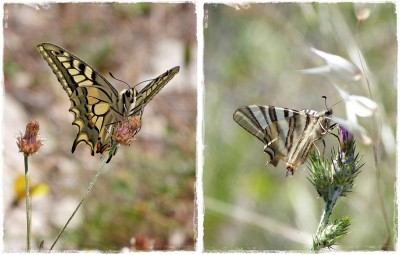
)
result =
(125, 131)
(30, 143)
(19, 189)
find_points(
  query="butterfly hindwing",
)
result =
(270, 125)
(287, 134)
(96, 104)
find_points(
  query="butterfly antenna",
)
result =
(127, 83)
(143, 82)
(326, 105)
(341, 100)
(119, 80)
(324, 97)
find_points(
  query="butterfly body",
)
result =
(287, 134)
(96, 104)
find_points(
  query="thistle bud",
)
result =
(30, 143)
(125, 131)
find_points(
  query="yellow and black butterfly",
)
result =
(96, 104)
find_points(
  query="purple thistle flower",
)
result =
(346, 146)
(345, 135)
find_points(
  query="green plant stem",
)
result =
(28, 207)
(322, 224)
(92, 183)
(325, 216)
(328, 211)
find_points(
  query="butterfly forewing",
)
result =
(73, 72)
(287, 134)
(151, 89)
(95, 103)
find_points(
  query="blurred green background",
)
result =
(251, 56)
(145, 198)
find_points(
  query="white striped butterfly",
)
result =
(96, 104)
(287, 134)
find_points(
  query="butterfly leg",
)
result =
(316, 147)
(335, 135)
(329, 130)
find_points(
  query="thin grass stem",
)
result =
(92, 183)
(28, 205)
